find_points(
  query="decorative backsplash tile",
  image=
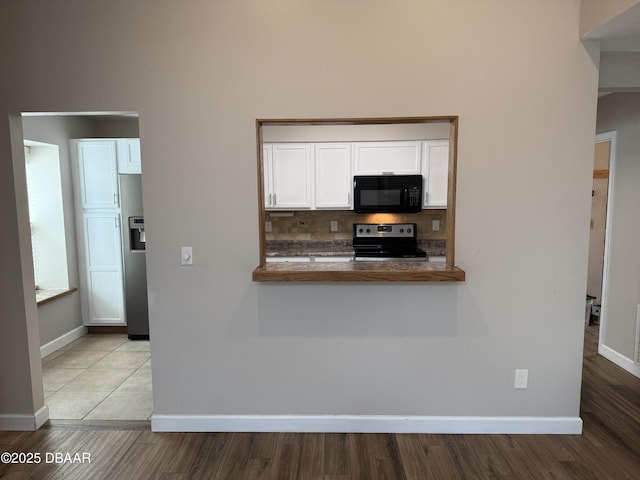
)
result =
(316, 224)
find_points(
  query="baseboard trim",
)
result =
(24, 423)
(366, 424)
(62, 341)
(619, 359)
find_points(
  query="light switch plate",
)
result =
(435, 225)
(186, 256)
(267, 227)
(334, 225)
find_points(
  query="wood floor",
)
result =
(608, 449)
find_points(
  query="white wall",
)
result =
(620, 112)
(351, 133)
(201, 72)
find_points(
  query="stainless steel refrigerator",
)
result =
(133, 247)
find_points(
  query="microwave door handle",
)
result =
(405, 199)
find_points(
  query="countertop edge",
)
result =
(327, 273)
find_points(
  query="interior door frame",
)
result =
(611, 138)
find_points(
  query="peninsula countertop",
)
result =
(358, 272)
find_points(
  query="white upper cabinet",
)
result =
(301, 176)
(333, 179)
(290, 172)
(379, 158)
(129, 159)
(435, 171)
(97, 173)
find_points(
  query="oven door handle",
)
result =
(368, 247)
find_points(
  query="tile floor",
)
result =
(99, 377)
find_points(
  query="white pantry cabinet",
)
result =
(97, 173)
(379, 158)
(287, 179)
(129, 159)
(435, 172)
(332, 175)
(96, 164)
(103, 273)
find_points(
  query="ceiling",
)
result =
(619, 52)
(620, 34)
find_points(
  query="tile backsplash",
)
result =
(316, 224)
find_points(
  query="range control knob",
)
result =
(408, 230)
(360, 230)
(402, 230)
(368, 230)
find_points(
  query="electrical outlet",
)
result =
(522, 379)
(267, 227)
(334, 225)
(435, 225)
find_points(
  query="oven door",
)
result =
(387, 194)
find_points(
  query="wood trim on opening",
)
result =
(601, 174)
(451, 191)
(261, 207)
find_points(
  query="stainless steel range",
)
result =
(395, 242)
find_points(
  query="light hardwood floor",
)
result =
(608, 449)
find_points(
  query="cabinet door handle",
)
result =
(274, 199)
(115, 199)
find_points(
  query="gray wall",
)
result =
(620, 112)
(201, 72)
(20, 368)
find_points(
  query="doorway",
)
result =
(603, 171)
(101, 375)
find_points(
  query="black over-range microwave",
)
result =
(387, 193)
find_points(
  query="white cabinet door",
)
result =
(333, 179)
(103, 269)
(267, 175)
(291, 176)
(379, 158)
(129, 159)
(98, 173)
(435, 171)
